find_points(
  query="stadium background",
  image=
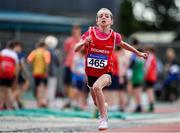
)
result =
(30, 20)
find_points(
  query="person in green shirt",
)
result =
(137, 79)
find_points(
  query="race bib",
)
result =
(97, 61)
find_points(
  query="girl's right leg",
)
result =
(8, 98)
(100, 83)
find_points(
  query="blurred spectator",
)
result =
(159, 83)
(40, 59)
(22, 83)
(150, 76)
(69, 45)
(116, 93)
(137, 79)
(8, 74)
(78, 80)
(52, 42)
(135, 44)
(172, 77)
(111, 92)
(123, 63)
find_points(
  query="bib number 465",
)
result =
(96, 63)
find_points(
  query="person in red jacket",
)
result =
(99, 43)
(150, 75)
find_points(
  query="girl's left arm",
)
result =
(132, 49)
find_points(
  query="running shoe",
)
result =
(103, 124)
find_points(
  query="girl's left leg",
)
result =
(137, 96)
(2, 95)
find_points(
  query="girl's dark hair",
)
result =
(134, 41)
(76, 26)
(41, 43)
(150, 48)
(13, 43)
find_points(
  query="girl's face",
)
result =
(104, 18)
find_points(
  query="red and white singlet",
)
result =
(99, 54)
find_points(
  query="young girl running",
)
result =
(99, 43)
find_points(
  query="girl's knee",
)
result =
(96, 89)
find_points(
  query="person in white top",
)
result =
(8, 71)
(78, 80)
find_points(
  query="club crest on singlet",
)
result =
(98, 61)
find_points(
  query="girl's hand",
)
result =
(144, 55)
(88, 40)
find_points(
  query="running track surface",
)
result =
(171, 127)
(167, 120)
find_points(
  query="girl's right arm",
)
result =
(82, 42)
(79, 45)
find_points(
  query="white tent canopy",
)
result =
(155, 37)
